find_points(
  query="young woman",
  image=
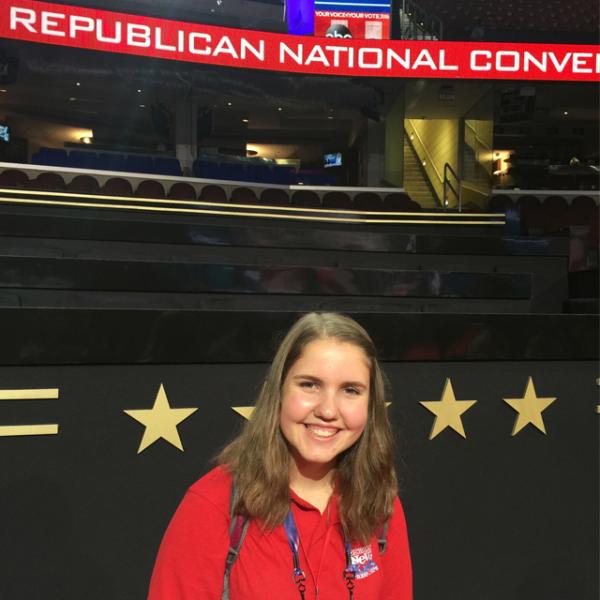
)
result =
(313, 474)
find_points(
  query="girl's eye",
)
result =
(352, 391)
(308, 385)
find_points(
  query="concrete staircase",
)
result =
(416, 184)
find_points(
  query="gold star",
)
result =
(447, 411)
(160, 421)
(246, 411)
(530, 408)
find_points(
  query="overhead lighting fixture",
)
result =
(279, 108)
(72, 99)
(229, 104)
(142, 106)
(78, 84)
(566, 113)
(3, 91)
(139, 91)
(330, 117)
(86, 139)
(244, 120)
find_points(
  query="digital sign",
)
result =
(364, 19)
(108, 31)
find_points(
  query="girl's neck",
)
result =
(313, 483)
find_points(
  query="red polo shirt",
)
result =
(191, 559)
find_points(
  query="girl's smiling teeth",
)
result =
(321, 431)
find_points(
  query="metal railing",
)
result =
(448, 186)
(418, 24)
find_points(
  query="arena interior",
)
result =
(164, 220)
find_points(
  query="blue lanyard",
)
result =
(298, 574)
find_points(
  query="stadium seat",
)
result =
(165, 165)
(49, 182)
(532, 218)
(583, 211)
(137, 163)
(500, 203)
(150, 189)
(117, 186)
(111, 162)
(368, 201)
(182, 191)
(337, 200)
(213, 193)
(82, 159)
(52, 157)
(398, 201)
(274, 197)
(306, 199)
(232, 172)
(244, 195)
(83, 184)
(13, 178)
(555, 211)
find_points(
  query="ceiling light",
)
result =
(279, 108)
(330, 117)
(244, 120)
(86, 139)
(142, 106)
(78, 84)
(139, 91)
(229, 104)
(566, 112)
(72, 99)
(3, 91)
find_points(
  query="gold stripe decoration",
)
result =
(529, 408)
(25, 430)
(160, 421)
(448, 411)
(29, 394)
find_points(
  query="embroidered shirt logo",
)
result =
(362, 560)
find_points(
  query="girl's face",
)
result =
(325, 400)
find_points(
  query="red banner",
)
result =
(107, 31)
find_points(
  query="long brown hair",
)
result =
(259, 459)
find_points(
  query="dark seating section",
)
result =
(83, 184)
(213, 193)
(241, 170)
(398, 201)
(12, 178)
(552, 216)
(49, 182)
(369, 201)
(461, 19)
(182, 191)
(305, 199)
(244, 195)
(274, 197)
(337, 200)
(107, 161)
(117, 186)
(150, 189)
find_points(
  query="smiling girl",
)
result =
(306, 493)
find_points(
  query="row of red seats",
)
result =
(540, 15)
(118, 186)
(552, 215)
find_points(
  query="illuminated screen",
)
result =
(332, 160)
(300, 16)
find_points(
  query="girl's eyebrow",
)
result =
(358, 384)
